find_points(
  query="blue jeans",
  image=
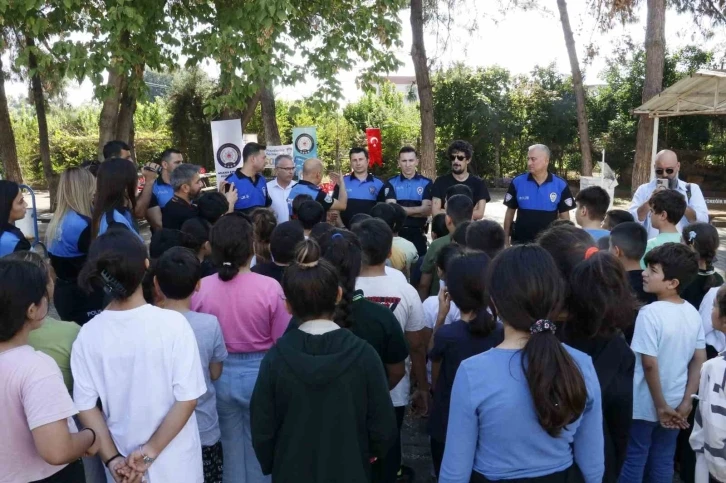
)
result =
(234, 391)
(650, 453)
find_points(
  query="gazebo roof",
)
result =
(701, 93)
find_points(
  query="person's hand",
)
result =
(669, 418)
(684, 409)
(231, 194)
(150, 171)
(122, 473)
(333, 217)
(420, 403)
(444, 303)
(135, 460)
(334, 178)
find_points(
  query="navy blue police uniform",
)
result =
(68, 253)
(411, 193)
(161, 193)
(251, 192)
(315, 192)
(363, 195)
(537, 205)
(12, 240)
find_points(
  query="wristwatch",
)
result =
(148, 460)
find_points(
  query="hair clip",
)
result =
(112, 286)
(227, 264)
(309, 264)
(336, 235)
(590, 252)
(542, 325)
(691, 236)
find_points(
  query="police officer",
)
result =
(248, 180)
(157, 187)
(413, 192)
(364, 189)
(538, 198)
(312, 176)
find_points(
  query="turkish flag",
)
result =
(375, 150)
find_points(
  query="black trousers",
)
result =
(437, 454)
(213, 463)
(385, 470)
(73, 473)
(570, 475)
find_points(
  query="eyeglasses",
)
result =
(460, 157)
(287, 169)
(660, 171)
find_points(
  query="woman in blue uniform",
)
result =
(116, 184)
(68, 238)
(12, 209)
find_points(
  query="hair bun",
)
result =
(307, 253)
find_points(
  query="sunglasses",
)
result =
(660, 171)
(460, 157)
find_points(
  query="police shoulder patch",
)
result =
(507, 197)
(568, 201)
(328, 198)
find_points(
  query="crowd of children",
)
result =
(237, 349)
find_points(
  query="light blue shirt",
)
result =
(597, 233)
(670, 332)
(493, 428)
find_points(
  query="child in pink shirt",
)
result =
(252, 314)
(38, 439)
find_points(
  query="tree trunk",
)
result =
(43, 138)
(125, 119)
(654, 63)
(425, 94)
(8, 151)
(579, 89)
(109, 111)
(498, 158)
(269, 119)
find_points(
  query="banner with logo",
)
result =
(227, 142)
(305, 146)
(272, 152)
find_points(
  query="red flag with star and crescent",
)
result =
(375, 150)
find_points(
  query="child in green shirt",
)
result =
(667, 207)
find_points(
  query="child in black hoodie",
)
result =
(320, 409)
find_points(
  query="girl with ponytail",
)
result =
(321, 409)
(528, 409)
(251, 311)
(475, 332)
(142, 362)
(703, 239)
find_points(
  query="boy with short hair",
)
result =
(438, 226)
(670, 348)
(310, 214)
(615, 217)
(666, 210)
(592, 205)
(627, 243)
(177, 276)
(283, 241)
(376, 240)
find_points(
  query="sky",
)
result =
(516, 40)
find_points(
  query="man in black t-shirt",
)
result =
(460, 154)
(187, 187)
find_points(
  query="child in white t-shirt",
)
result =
(669, 348)
(431, 304)
(176, 275)
(142, 362)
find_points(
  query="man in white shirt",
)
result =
(280, 187)
(667, 168)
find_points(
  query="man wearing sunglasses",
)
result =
(667, 168)
(459, 154)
